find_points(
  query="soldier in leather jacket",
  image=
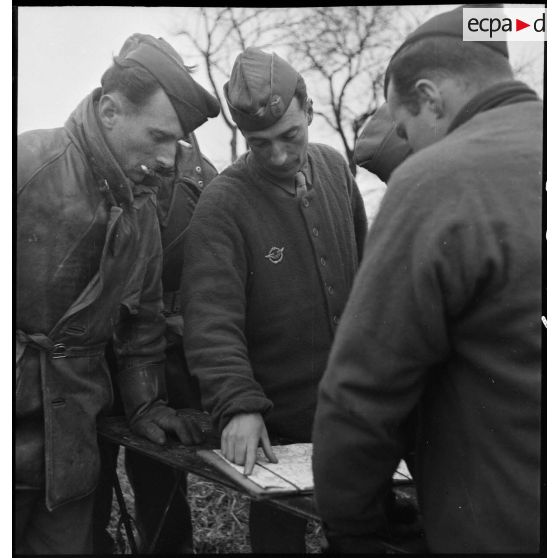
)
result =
(89, 264)
(176, 199)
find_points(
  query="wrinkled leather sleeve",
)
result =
(139, 340)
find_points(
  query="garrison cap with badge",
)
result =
(192, 103)
(378, 148)
(260, 89)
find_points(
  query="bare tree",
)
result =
(344, 50)
(219, 34)
(341, 50)
(528, 66)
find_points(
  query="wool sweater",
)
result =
(265, 279)
(445, 312)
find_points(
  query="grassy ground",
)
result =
(219, 516)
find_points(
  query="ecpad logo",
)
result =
(494, 24)
(509, 24)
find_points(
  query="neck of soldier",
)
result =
(287, 182)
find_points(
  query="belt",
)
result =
(43, 343)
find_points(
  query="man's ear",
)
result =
(110, 109)
(309, 109)
(430, 93)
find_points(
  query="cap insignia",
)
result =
(276, 105)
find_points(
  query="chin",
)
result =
(285, 172)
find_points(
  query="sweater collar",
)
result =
(505, 93)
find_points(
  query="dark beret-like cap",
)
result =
(260, 89)
(451, 24)
(192, 103)
(378, 148)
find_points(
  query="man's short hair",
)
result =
(443, 56)
(131, 80)
(300, 92)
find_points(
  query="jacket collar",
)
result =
(84, 125)
(504, 93)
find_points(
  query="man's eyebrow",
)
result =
(165, 134)
(288, 131)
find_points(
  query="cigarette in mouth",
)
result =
(147, 170)
(184, 144)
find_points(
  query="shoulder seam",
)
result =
(42, 167)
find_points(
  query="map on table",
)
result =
(293, 470)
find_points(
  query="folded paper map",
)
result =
(292, 473)
(293, 470)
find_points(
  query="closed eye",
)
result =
(258, 143)
(161, 137)
(290, 134)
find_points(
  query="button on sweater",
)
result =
(260, 309)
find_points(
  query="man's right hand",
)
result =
(242, 436)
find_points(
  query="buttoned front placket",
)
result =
(321, 246)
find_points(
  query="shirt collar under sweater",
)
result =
(264, 177)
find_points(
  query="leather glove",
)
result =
(159, 418)
(144, 397)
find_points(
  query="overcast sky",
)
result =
(63, 51)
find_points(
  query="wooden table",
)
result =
(183, 459)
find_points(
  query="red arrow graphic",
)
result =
(519, 25)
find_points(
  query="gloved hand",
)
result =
(143, 395)
(158, 418)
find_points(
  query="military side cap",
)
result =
(451, 24)
(192, 103)
(260, 89)
(378, 148)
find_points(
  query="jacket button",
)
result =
(336, 319)
(198, 169)
(322, 260)
(315, 231)
(200, 182)
(305, 202)
(330, 290)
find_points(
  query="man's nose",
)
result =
(166, 156)
(278, 154)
